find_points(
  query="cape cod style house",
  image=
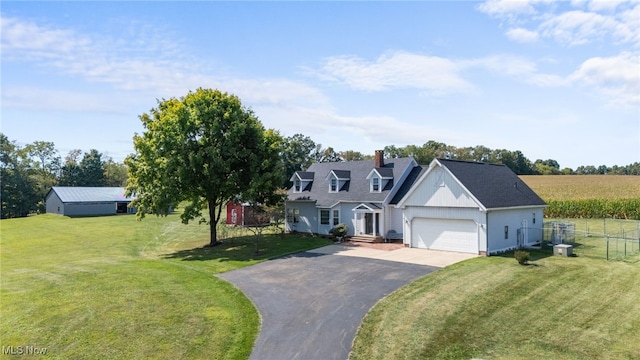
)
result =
(449, 205)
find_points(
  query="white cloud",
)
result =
(605, 5)
(578, 27)
(141, 63)
(155, 65)
(522, 35)
(396, 70)
(40, 99)
(350, 132)
(575, 23)
(617, 78)
(507, 8)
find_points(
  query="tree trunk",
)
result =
(213, 223)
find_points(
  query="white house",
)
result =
(452, 205)
(472, 207)
(356, 193)
(88, 201)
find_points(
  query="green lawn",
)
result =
(113, 287)
(493, 308)
(604, 238)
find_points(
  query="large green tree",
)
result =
(201, 150)
(297, 154)
(17, 188)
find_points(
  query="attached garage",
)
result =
(445, 234)
(470, 207)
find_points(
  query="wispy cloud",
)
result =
(395, 70)
(138, 60)
(97, 58)
(437, 75)
(616, 78)
(522, 35)
(570, 24)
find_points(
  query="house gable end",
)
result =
(439, 188)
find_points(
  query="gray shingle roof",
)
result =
(414, 175)
(357, 189)
(90, 194)
(494, 185)
(305, 175)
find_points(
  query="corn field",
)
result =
(628, 209)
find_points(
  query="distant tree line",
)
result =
(28, 172)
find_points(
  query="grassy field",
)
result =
(493, 308)
(115, 288)
(582, 187)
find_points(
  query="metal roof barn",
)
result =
(88, 201)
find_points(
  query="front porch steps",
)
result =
(367, 238)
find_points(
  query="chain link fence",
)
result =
(610, 239)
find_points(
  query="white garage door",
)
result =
(445, 234)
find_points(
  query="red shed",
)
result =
(235, 213)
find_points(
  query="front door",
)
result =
(370, 224)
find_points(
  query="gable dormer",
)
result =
(302, 181)
(380, 179)
(338, 180)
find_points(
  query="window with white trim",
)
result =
(324, 216)
(293, 215)
(336, 217)
(334, 185)
(297, 185)
(375, 184)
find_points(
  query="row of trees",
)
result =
(28, 172)
(300, 151)
(205, 149)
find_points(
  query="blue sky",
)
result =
(555, 80)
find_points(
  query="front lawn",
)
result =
(113, 287)
(493, 308)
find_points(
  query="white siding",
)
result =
(439, 188)
(308, 217)
(513, 219)
(53, 204)
(394, 217)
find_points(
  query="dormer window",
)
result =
(302, 181)
(375, 184)
(338, 180)
(380, 179)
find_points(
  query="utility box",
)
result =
(563, 250)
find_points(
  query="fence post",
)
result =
(607, 246)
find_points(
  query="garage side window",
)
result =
(506, 232)
(293, 215)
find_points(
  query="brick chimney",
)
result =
(379, 159)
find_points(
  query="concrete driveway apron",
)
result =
(311, 303)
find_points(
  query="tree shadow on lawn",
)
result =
(243, 248)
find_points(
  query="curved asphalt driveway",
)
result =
(312, 304)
